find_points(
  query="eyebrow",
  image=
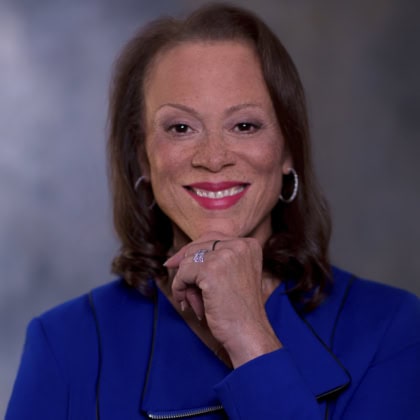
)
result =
(228, 112)
(239, 107)
(179, 106)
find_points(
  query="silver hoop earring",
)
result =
(295, 187)
(137, 185)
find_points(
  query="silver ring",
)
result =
(198, 257)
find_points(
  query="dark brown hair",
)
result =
(298, 247)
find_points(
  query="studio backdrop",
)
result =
(360, 64)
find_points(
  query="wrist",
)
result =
(250, 343)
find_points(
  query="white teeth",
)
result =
(219, 194)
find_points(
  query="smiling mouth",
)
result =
(228, 192)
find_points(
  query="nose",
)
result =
(212, 153)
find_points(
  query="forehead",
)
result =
(191, 50)
(209, 68)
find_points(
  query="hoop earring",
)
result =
(137, 185)
(295, 187)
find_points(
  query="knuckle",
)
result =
(241, 245)
(185, 262)
(227, 253)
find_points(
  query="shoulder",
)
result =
(111, 296)
(376, 314)
(372, 299)
(71, 329)
(71, 312)
(68, 347)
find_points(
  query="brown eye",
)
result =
(246, 127)
(179, 128)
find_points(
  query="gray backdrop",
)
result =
(359, 61)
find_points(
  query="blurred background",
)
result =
(359, 61)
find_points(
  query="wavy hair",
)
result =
(298, 247)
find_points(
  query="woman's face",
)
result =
(215, 151)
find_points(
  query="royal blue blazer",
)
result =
(115, 354)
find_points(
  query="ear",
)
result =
(287, 163)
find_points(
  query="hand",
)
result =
(226, 289)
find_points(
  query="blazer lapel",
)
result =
(182, 370)
(321, 370)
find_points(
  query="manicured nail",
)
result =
(167, 261)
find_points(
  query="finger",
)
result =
(194, 252)
(204, 242)
(174, 260)
(184, 279)
(195, 301)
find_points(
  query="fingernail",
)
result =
(182, 306)
(167, 261)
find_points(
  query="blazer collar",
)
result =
(183, 371)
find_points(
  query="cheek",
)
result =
(155, 156)
(268, 158)
(164, 161)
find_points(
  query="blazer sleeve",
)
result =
(40, 391)
(268, 387)
(271, 387)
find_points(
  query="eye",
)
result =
(179, 128)
(247, 127)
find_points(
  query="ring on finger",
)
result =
(198, 257)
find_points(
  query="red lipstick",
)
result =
(217, 195)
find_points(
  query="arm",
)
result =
(39, 391)
(226, 289)
(268, 387)
(272, 387)
(229, 291)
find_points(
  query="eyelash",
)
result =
(250, 127)
(242, 127)
(173, 128)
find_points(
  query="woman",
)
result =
(227, 305)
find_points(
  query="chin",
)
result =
(225, 228)
(229, 227)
